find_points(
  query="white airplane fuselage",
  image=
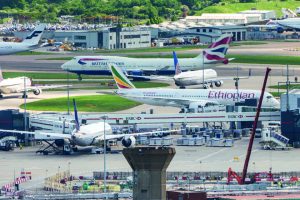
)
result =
(182, 98)
(98, 65)
(14, 85)
(14, 47)
(194, 77)
(91, 134)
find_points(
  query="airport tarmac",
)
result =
(187, 158)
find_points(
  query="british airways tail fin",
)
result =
(121, 80)
(77, 126)
(34, 37)
(176, 64)
(216, 52)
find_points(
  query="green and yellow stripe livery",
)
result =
(121, 80)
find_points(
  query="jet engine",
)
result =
(37, 91)
(219, 83)
(129, 142)
(137, 73)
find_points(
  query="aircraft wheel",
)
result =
(24, 96)
(1, 96)
(79, 78)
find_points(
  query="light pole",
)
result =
(104, 157)
(25, 96)
(68, 91)
(69, 166)
(203, 52)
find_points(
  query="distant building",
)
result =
(109, 38)
(221, 19)
(265, 14)
(125, 38)
(239, 32)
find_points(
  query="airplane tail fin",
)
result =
(76, 116)
(176, 64)
(1, 75)
(216, 52)
(121, 80)
(34, 37)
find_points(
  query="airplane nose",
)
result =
(65, 66)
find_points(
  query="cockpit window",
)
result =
(269, 97)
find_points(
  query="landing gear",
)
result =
(24, 96)
(1, 96)
(79, 77)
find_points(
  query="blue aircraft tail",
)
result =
(176, 64)
(76, 116)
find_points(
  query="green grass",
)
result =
(248, 43)
(27, 53)
(230, 7)
(154, 49)
(265, 59)
(283, 87)
(37, 75)
(56, 58)
(276, 94)
(92, 103)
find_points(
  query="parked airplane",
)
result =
(187, 98)
(89, 135)
(29, 43)
(21, 85)
(205, 77)
(98, 65)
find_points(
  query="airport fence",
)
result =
(175, 175)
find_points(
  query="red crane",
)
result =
(241, 180)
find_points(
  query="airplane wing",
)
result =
(117, 136)
(228, 78)
(152, 77)
(47, 134)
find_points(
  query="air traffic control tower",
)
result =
(149, 166)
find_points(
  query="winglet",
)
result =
(176, 64)
(76, 116)
(121, 80)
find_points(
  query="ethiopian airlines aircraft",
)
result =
(98, 65)
(186, 98)
(29, 43)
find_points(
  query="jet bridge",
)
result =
(64, 123)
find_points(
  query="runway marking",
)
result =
(212, 154)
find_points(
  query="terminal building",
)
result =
(106, 38)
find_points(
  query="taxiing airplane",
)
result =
(187, 98)
(29, 43)
(205, 77)
(21, 85)
(98, 65)
(90, 134)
